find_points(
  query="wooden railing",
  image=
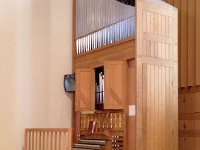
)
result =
(48, 139)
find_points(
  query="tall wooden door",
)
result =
(115, 84)
(156, 79)
(85, 93)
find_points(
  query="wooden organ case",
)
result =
(125, 65)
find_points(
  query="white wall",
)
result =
(35, 53)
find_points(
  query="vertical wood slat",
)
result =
(69, 138)
(47, 141)
(156, 107)
(167, 107)
(25, 140)
(145, 83)
(191, 42)
(40, 142)
(177, 4)
(65, 141)
(44, 136)
(197, 42)
(55, 141)
(160, 107)
(36, 140)
(59, 140)
(184, 43)
(50, 139)
(33, 142)
(152, 145)
(163, 103)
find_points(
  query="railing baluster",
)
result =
(51, 141)
(55, 136)
(59, 141)
(33, 140)
(47, 141)
(40, 140)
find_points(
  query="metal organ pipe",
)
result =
(102, 22)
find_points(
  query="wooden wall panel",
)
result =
(189, 120)
(191, 43)
(156, 62)
(85, 90)
(197, 42)
(189, 73)
(115, 87)
(157, 106)
(184, 44)
(177, 4)
(118, 50)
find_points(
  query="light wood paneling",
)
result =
(118, 50)
(115, 85)
(156, 69)
(85, 90)
(157, 105)
(48, 139)
(189, 37)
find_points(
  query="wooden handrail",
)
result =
(48, 139)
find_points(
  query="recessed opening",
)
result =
(99, 88)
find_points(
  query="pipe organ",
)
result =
(125, 63)
(102, 22)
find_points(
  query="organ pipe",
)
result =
(102, 22)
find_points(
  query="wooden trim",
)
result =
(75, 120)
(187, 90)
(189, 116)
(123, 51)
(192, 133)
(106, 46)
(48, 130)
(139, 118)
(150, 60)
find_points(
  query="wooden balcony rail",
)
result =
(48, 139)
